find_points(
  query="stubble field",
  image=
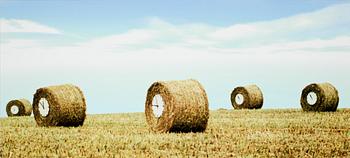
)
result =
(230, 133)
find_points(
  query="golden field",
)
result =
(230, 133)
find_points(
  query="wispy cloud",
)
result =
(25, 26)
(325, 23)
(303, 31)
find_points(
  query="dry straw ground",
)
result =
(247, 133)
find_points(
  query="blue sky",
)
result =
(96, 18)
(114, 50)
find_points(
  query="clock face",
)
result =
(44, 107)
(14, 109)
(239, 99)
(311, 98)
(157, 105)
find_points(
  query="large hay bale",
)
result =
(319, 97)
(62, 105)
(248, 97)
(177, 106)
(19, 107)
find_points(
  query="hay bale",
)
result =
(19, 107)
(62, 105)
(248, 97)
(319, 97)
(177, 106)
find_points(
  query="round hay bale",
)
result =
(62, 105)
(19, 107)
(177, 106)
(319, 97)
(248, 97)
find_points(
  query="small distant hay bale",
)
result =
(221, 109)
(62, 105)
(248, 97)
(320, 97)
(177, 106)
(19, 107)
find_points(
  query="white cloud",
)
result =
(304, 31)
(326, 22)
(338, 44)
(24, 26)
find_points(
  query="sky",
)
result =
(114, 50)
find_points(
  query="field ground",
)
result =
(238, 133)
